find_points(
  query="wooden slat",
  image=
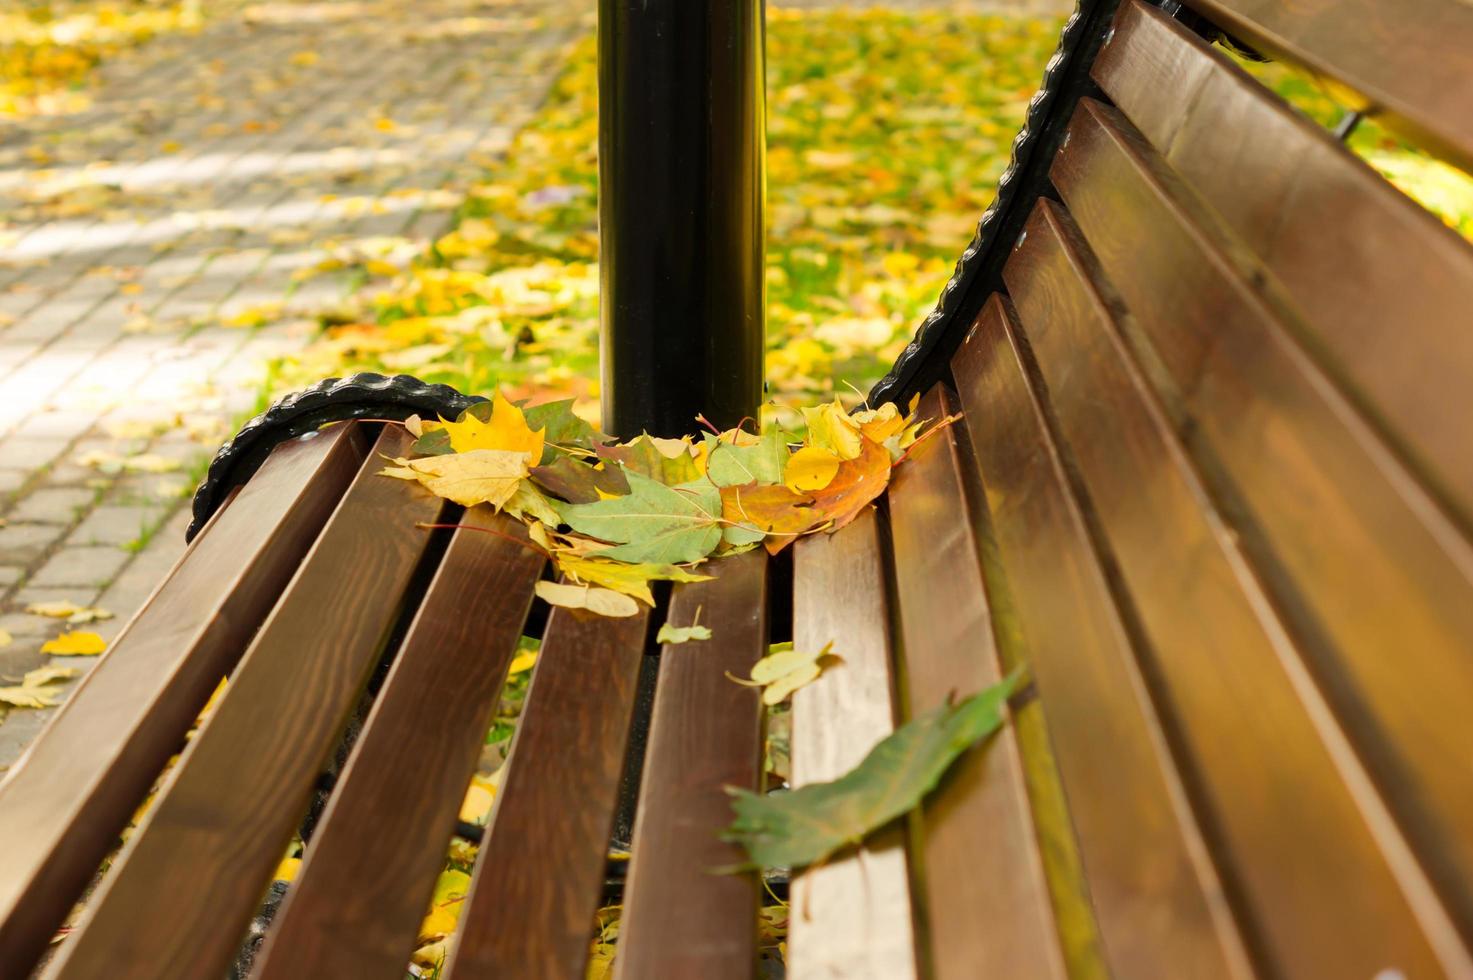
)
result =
(178, 899)
(1328, 886)
(1161, 908)
(1411, 62)
(400, 793)
(540, 873)
(1382, 283)
(62, 807)
(853, 915)
(1356, 554)
(680, 919)
(984, 894)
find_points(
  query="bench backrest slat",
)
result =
(178, 899)
(985, 897)
(370, 867)
(1299, 827)
(61, 810)
(554, 811)
(1160, 906)
(856, 917)
(680, 919)
(1383, 286)
(1410, 61)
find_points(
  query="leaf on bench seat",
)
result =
(653, 523)
(797, 828)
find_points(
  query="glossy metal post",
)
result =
(681, 180)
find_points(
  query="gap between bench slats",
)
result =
(370, 868)
(1384, 285)
(178, 899)
(984, 897)
(1355, 553)
(852, 916)
(1327, 883)
(1160, 907)
(539, 876)
(1410, 60)
(63, 805)
(680, 919)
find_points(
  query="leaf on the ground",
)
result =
(90, 614)
(450, 891)
(653, 523)
(731, 464)
(603, 602)
(5, 638)
(796, 828)
(479, 796)
(522, 663)
(287, 869)
(481, 476)
(578, 482)
(60, 609)
(811, 468)
(37, 688)
(632, 579)
(668, 461)
(77, 643)
(784, 670)
(506, 430)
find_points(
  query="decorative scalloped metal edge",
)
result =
(330, 400)
(1047, 112)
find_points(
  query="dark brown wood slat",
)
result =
(1328, 886)
(178, 899)
(1411, 62)
(349, 915)
(62, 807)
(540, 873)
(1160, 906)
(680, 919)
(856, 918)
(985, 900)
(1344, 243)
(1358, 557)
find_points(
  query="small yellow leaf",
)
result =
(831, 427)
(56, 610)
(77, 643)
(288, 868)
(479, 796)
(522, 663)
(481, 476)
(811, 468)
(784, 670)
(5, 638)
(604, 602)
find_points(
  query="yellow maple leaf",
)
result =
(784, 670)
(507, 430)
(811, 468)
(481, 476)
(77, 643)
(830, 427)
(881, 423)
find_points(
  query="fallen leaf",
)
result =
(604, 602)
(831, 427)
(811, 468)
(775, 511)
(578, 482)
(762, 461)
(858, 482)
(37, 688)
(784, 670)
(444, 914)
(5, 638)
(479, 796)
(481, 476)
(630, 578)
(288, 868)
(683, 634)
(667, 461)
(77, 643)
(56, 610)
(506, 430)
(522, 663)
(796, 828)
(653, 522)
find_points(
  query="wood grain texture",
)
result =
(539, 876)
(853, 914)
(1410, 62)
(1382, 283)
(987, 909)
(178, 899)
(1160, 906)
(63, 805)
(1324, 882)
(398, 798)
(681, 919)
(1354, 552)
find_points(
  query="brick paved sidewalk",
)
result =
(206, 173)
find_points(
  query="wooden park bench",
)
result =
(1213, 486)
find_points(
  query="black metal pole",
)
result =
(681, 181)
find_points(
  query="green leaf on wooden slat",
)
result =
(653, 523)
(797, 828)
(762, 462)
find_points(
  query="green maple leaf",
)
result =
(799, 827)
(653, 522)
(763, 462)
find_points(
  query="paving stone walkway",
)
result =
(209, 169)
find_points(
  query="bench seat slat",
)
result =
(62, 807)
(540, 873)
(1358, 557)
(680, 919)
(855, 911)
(1382, 283)
(178, 899)
(1411, 61)
(983, 889)
(1327, 882)
(1160, 906)
(370, 868)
